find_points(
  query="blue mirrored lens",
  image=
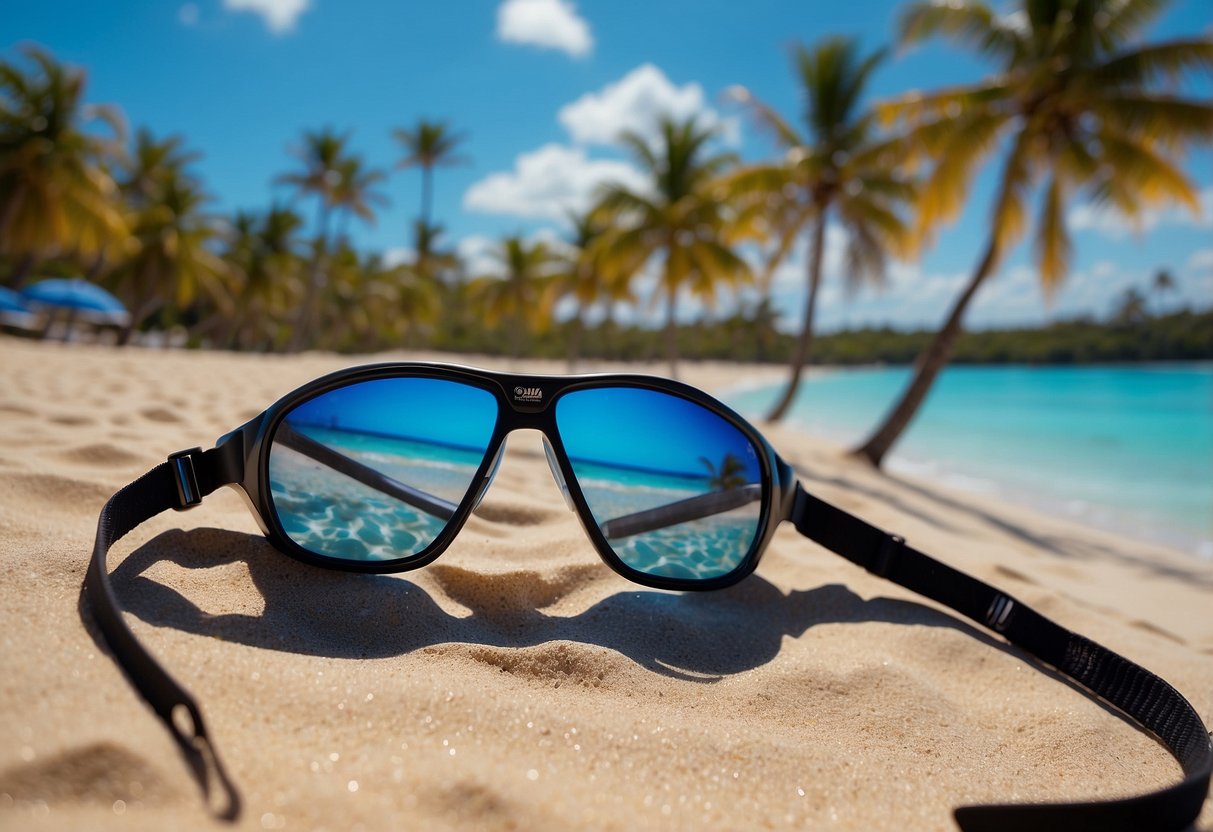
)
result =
(374, 471)
(675, 488)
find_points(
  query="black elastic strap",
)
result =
(1145, 698)
(156, 491)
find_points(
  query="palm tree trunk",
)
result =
(607, 328)
(307, 309)
(929, 366)
(140, 305)
(671, 331)
(574, 343)
(25, 265)
(427, 193)
(804, 344)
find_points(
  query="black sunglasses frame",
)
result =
(256, 437)
(240, 459)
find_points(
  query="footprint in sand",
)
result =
(16, 410)
(514, 514)
(99, 773)
(70, 420)
(551, 664)
(1015, 575)
(1156, 630)
(523, 590)
(159, 414)
(99, 453)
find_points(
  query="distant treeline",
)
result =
(1180, 336)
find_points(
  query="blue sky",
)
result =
(541, 87)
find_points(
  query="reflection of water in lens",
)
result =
(699, 549)
(635, 451)
(330, 514)
(703, 548)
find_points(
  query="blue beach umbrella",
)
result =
(15, 312)
(86, 301)
(10, 301)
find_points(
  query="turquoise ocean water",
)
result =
(1127, 448)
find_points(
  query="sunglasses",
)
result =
(375, 469)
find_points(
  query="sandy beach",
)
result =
(518, 683)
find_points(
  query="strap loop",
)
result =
(185, 478)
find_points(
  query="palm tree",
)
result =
(354, 194)
(173, 266)
(150, 158)
(430, 258)
(1163, 284)
(729, 474)
(680, 217)
(1075, 102)
(263, 252)
(518, 296)
(838, 168)
(428, 145)
(55, 194)
(582, 278)
(323, 155)
(1131, 307)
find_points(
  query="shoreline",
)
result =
(517, 682)
(969, 458)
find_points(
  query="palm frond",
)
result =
(767, 118)
(1152, 176)
(1009, 215)
(788, 231)
(865, 259)
(969, 22)
(636, 144)
(1168, 61)
(962, 145)
(879, 224)
(1164, 118)
(1126, 19)
(756, 179)
(833, 78)
(916, 106)
(1052, 239)
(616, 202)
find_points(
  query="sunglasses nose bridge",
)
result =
(557, 474)
(488, 478)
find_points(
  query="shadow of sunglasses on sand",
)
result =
(696, 636)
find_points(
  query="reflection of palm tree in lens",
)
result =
(728, 475)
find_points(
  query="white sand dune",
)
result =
(518, 683)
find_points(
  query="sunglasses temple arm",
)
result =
(160, 489)
(1144, 697)
(288, 437)
(683, 511)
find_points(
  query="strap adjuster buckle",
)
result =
(186, 480)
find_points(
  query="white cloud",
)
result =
(549, 24)
(634, 103)
(398, 256)
(279, 15)
(1114, 225)
(188, 14)
(1200, 261)
(476, 253)
(547, 183)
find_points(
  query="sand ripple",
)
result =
(522, 590)
(96, 773)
